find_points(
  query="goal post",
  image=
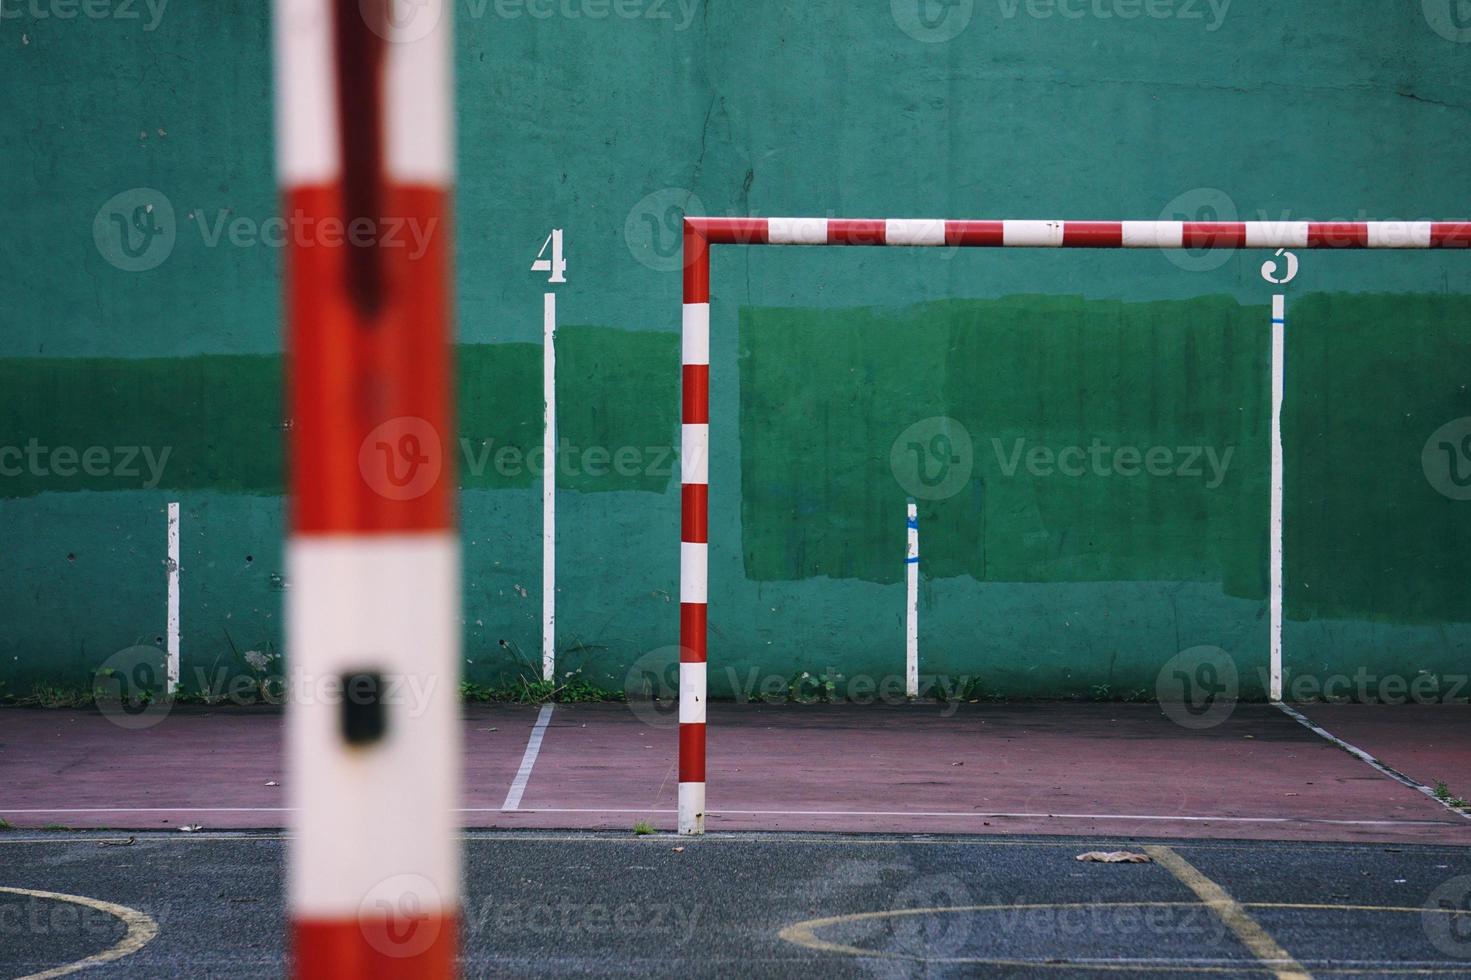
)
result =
(701, 233)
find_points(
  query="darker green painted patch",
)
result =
(217, 422)
(1048, 439)
(844, 413)
(208, 422)
(1370, 378)
(617, 408)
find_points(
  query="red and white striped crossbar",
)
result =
(701, 233)
(1078, 234)
(364, 145)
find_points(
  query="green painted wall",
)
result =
(842, 380)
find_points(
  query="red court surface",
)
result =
(1430, 743)
(1111, 769)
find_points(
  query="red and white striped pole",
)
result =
(694, 530)
(700, 233)
(365, 157)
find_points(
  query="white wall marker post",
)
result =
(1279, 322)
(549, 491)
(173, 602)
(911, 605)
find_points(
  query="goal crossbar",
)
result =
(700, 233)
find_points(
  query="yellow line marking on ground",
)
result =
(805, 934)
(1232, 913)
(141, 930)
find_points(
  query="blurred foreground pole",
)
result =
(364, 93)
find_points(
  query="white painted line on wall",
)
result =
(1274, 626)
(1362, 756)
(173, 601)
(528, 761)
(549, 491)
(911, 605)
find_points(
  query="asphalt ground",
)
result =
(578, 904)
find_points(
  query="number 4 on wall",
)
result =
(555, 263)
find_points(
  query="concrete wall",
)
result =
(834, 370)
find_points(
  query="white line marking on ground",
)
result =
(937, 814)
(1363, 756)
(989, 816)
(141, 930)
(802, 838)
(533, 748)
(185, 808)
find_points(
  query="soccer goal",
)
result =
(701, 233)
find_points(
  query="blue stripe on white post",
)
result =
(911, 605)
